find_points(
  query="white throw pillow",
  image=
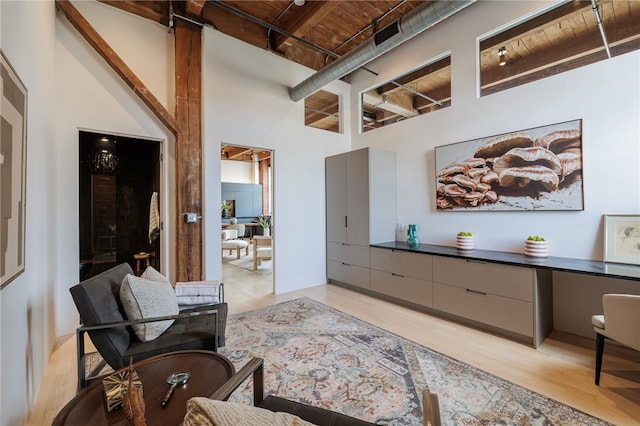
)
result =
(152, 274)
(148, 298)
(209, 412)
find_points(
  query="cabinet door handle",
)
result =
(481, 293)
(346, 264)
(397, 275)
(345, 222)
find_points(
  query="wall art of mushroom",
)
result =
(533, 169)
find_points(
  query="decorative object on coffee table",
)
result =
(536, 246)
(115, 386)
(133, 402)
(464, 241)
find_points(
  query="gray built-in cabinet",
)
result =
(360, 210)
(247, 198)
(512, 300)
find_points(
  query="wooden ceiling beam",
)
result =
(117, 64)
(194, 7)
(264, 155)
(157, 11)
(416, 75)
(236, 152)
(302, 20)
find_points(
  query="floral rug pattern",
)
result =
(320, 356)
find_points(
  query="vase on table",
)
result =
(535, 248)
(412, 236)
(266, 232)
(464, 242)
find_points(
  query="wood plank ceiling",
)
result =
(315, 33)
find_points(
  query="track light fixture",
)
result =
(502, 55)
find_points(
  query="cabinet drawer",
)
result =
(402, 287)
(348, 274)
(505, 313)
(348, 253)
(403, 263)
(502, 280)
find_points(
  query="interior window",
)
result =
(565, 37)
(322, 111)
(417, 92)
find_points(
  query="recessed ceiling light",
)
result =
(502, 55)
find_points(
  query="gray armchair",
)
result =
(103, 318)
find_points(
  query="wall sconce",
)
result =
(502, 55)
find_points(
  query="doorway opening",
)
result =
(246, 198)
(118, 177)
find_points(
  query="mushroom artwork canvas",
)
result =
(533, 169)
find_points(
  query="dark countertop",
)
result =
(564, 264)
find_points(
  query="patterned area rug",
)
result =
(323, 357)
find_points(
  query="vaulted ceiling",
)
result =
(312, 34)
(315, 33)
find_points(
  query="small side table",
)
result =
(209, 371)
(142, 256)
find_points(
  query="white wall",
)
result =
(90, 95)
(606, 96)
(246, 103)
(26, 304)
(237, 171)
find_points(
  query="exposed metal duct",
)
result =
(410, 25)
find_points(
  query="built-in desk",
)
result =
(564, 264)
(508, 293)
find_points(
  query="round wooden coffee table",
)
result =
(209, 371)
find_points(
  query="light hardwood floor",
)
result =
(558, 369)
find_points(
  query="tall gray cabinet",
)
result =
(360, 210)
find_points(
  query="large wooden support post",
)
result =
(188, 63)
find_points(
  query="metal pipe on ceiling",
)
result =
(408, 26)
(270, 26)
(594, 7)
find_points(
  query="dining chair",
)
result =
(262, 250)
(619, 323)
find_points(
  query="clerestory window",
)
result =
(322, 111)
(567, 36)
(418, 92)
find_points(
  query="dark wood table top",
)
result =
(209, 371)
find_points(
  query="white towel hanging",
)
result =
(154, 218)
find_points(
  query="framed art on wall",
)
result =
(622, 238)
(13, 162)
(532, 169)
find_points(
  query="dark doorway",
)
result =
(118, 177)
